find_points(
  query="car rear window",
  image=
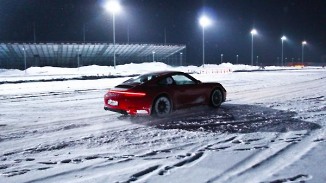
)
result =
(140, 79)
(124, 86)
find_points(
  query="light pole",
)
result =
(181, 58)
(253, 32)
(204, 22)
(153, 56)
(257, 61)
(25, 63)
(303, 43)
(237, 59)
(78, 58)
(221, 58)
(282, 38)
(113, 7)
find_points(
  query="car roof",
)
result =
(165, 72)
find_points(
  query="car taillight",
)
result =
(129, 94)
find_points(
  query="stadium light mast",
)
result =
(181, 58)
(283, 38)
(113, 7)
(303, 44)
(253, 32)
(204, 22)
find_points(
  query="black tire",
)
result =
(162, 107)
(216, 98)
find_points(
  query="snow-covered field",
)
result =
(271, 129)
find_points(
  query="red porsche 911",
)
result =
(160, 93)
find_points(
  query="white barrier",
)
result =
(211, 71)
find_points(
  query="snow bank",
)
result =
(38, 73)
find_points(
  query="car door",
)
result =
(187, 91)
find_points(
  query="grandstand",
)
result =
(25, 55)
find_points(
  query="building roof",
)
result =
(12, 55)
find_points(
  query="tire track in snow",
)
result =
(137, 175)
(249, 162)
(299, 178)
(192, 158)
(279, 160)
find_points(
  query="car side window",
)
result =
(182, 80)
(166, 81)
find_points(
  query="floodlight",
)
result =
(253, 32)
(204, 21)
(113, 6)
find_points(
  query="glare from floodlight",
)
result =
(283, 38)
(253, 32)
(304, 42)
(113, 6)
(204, 21)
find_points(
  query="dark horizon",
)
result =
(148, 21)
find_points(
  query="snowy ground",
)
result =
(271, 129)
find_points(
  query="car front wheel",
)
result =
(216, 98)
(162, 106)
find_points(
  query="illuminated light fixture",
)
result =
(113, 7)
(253, 32)
(204, 21)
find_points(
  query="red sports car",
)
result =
(159, 93)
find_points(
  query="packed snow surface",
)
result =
(271, 128)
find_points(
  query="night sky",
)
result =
(146, 20)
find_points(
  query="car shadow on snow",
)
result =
(231, 118)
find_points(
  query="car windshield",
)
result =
(141, 79)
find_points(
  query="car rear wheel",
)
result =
(162, 106)
(216, 98)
